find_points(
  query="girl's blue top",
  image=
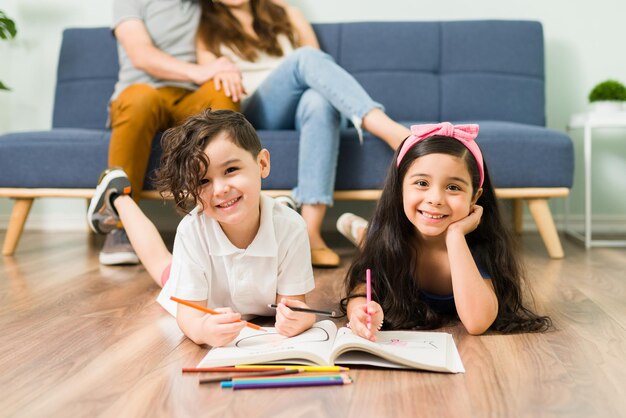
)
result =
(444, 304)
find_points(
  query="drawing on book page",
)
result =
(272, 339)
(425, 344)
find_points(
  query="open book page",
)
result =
(434, 351)
(312, 347)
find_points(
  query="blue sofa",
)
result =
(486, 72)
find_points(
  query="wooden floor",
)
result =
(78, 339)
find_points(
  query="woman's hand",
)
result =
(359, 318)
(290, 323)
(202, 72)
(219, 330)
(469, 223)
(232, 84)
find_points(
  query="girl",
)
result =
(286, 82)
(436, 244)
(236, 250)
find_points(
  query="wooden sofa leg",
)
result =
(518, 216)
(20, 211)
(540, 212)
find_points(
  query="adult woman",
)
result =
(286, 82)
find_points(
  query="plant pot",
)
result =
(607, 106)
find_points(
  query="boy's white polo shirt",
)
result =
(207, 266)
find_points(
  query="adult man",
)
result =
(159, 85)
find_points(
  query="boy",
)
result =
(236, 249)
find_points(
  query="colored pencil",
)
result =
(332, 314)
(250, 376)
(301, 375)
(368, 295)
(212, 312)
(269, 385)
(233, 369)
(296, 366)
(233, 383)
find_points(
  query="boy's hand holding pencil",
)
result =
(207, 326)
(222, 329)
(290, 322)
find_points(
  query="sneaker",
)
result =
(117, 249)
(101, 215)
(287, 201)
(349, 226)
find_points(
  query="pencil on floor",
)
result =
(212, 312)
(289, 376)
(297, 366)
(233, 369)
(251, 375)
(294, 378)
(268, 385)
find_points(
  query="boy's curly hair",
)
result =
(183, 160)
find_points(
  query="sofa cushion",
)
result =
(59, 158)
(492, 71)
(86, 75)
(520, 155)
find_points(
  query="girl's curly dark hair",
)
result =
(183, 160)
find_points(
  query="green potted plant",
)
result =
(607, 95)
(7, 31)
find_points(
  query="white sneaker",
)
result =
(349, 225)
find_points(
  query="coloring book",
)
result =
(325, 345)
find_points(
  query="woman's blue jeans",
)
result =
(310, 92)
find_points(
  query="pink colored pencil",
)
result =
(368, 294)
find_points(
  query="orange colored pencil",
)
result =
(230, 369)
(212, 312)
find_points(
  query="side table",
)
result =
(589, 121)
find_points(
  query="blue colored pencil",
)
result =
(292, 384)
(227, 384)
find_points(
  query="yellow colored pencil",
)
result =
(295, 366)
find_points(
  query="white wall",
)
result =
(582, 48)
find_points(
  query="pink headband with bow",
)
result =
(462, 133)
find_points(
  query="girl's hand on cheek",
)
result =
(359, 317)
(290, 323)
(222, 329)
(469, 223)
